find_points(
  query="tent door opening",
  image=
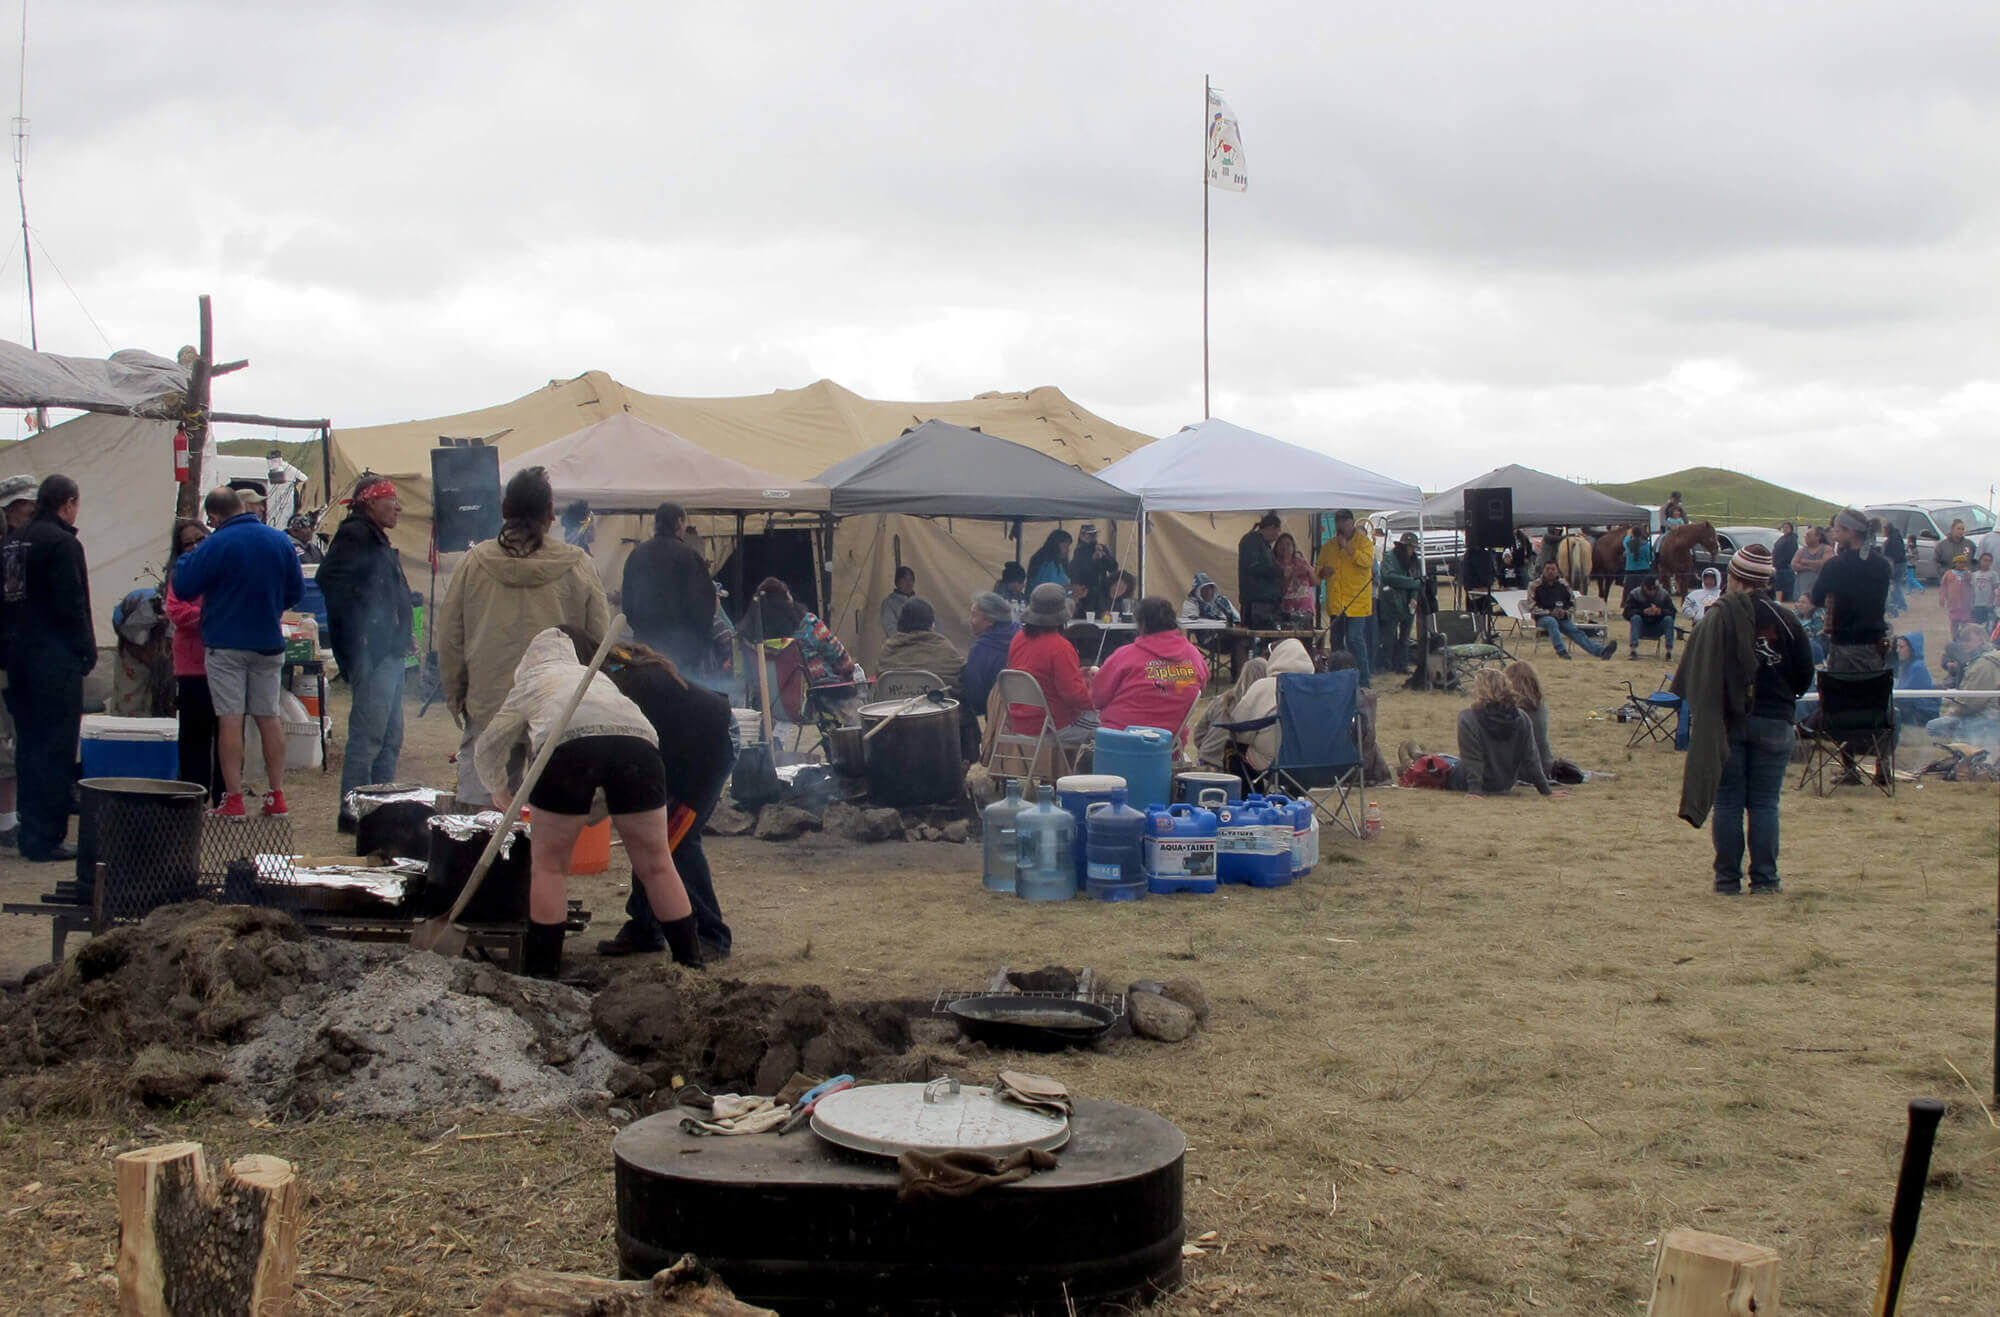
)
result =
(785, 554)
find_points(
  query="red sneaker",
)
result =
(231, 806)
(274, 804)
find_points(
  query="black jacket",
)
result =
(45, 599)
(693, 725)
(1638, 601)
(1094, 570)
(1259, 579)
(367, 597)
(668, 597)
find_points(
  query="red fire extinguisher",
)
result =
(180, 455)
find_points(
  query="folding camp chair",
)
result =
(1592, 616)
(1856, 716)
(1021, 752)
(1655, 717)
(902, 683)
(1525, 620)
(1463, 649)
(1319, 745)
(816, 709)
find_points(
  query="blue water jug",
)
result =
(1003, 848)
(1117, 850)
(1046, 836)
(1143, 756)
(1298, 814)
(1077, 793)
(1180, 849)
(1247, 844)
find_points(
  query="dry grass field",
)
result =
(1478, 1065)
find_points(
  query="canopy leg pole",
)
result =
(1423, 607)
(1142, 550)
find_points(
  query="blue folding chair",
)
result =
(1319, 724)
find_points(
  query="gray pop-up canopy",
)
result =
(940, 470)
(1540, 499)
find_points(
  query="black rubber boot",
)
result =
(682, 941)
(541, 957)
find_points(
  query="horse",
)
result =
(1573, 561)
(1607, 559)
(1675, 556)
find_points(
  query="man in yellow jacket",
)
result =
(1347, 567)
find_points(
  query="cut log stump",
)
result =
(686, 1289)
(1703, 1275)
(188, 1244)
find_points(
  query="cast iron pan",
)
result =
(1040, 1024)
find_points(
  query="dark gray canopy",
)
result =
(1540, 499)
(940, 470)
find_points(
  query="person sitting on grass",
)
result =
(1650, 610)
(1525, 685)
(1496, 743)
(608, 745)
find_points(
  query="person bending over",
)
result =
(608, 745)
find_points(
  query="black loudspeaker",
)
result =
(465, 496)
(1489, 518)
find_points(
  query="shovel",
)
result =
(442, 934)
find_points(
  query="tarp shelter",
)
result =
(797, 432)
(941, 470)
(1540, 499)
(129, 381)
(1213, 466)
(624, 464)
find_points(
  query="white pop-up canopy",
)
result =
(623, 463)
(1213, 466)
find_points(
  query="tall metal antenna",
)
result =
(21, 191)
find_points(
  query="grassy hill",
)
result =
(1727, 498)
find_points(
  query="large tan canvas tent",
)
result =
(799, 433)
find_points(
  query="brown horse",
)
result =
(1607, 559)
(1675, 555)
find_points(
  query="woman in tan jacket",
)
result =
(505, 592)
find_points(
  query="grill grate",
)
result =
(1111, 1001)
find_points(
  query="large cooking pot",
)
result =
(845, 749)
(914, 760)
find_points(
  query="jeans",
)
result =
(1556, 630)
(1976, 730)
(1644, 628)
(374, 724)
(1897, 603)
(1351, 634)
(48, 712)
(692, 862)
(1753, 780)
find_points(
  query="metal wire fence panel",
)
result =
(148, 836)
(246, 860)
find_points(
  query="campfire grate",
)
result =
(1111, 1001)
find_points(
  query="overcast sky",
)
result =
(1604, 239)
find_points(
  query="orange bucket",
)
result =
(593, 849)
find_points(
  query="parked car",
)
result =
(1730, 539)
(1929, 519)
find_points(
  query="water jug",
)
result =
(1247, 847)
(1046, 836)
(1305, 836)
(1180, 849)
(1077, 793)
(1117, 850)
(1003, 849)
(1143, 756)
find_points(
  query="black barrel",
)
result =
(1103, 1228)
(147, 834)
(503, 896)
(915, 760)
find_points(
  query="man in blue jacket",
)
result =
(246, 575)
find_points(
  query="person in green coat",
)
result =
(1395, 607)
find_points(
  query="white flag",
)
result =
(1225, 147)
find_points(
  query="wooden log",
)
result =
(188, 1244)
(1703, 1275)
(686, 1289)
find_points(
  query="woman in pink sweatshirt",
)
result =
(196, 709)
(1153, 681)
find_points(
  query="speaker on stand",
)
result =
(465, 495)
(1489, 531)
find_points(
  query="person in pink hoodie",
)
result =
(196, 709)
(1153, 681)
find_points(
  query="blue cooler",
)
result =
(1189, 787)
(314, 601)
(131, 747)
(1144, 757)
(1077, 793)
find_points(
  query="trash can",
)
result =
(147, 834)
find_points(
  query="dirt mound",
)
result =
(194, 975)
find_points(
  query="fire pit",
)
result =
(796, 1224)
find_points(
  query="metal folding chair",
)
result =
(1656, 717)
(1017, 687)
(902, 683)
(1856, 716)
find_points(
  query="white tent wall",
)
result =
(124, 467)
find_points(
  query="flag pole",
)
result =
(1204, 246)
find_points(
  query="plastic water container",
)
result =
(1304, 841)
(1116, 845)
(1247, 845)
(1003, 848)
(1180, 849)
(1077, 793)
(1194, 787)
(1046, 862)
(1144, 757)
(131, 747)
